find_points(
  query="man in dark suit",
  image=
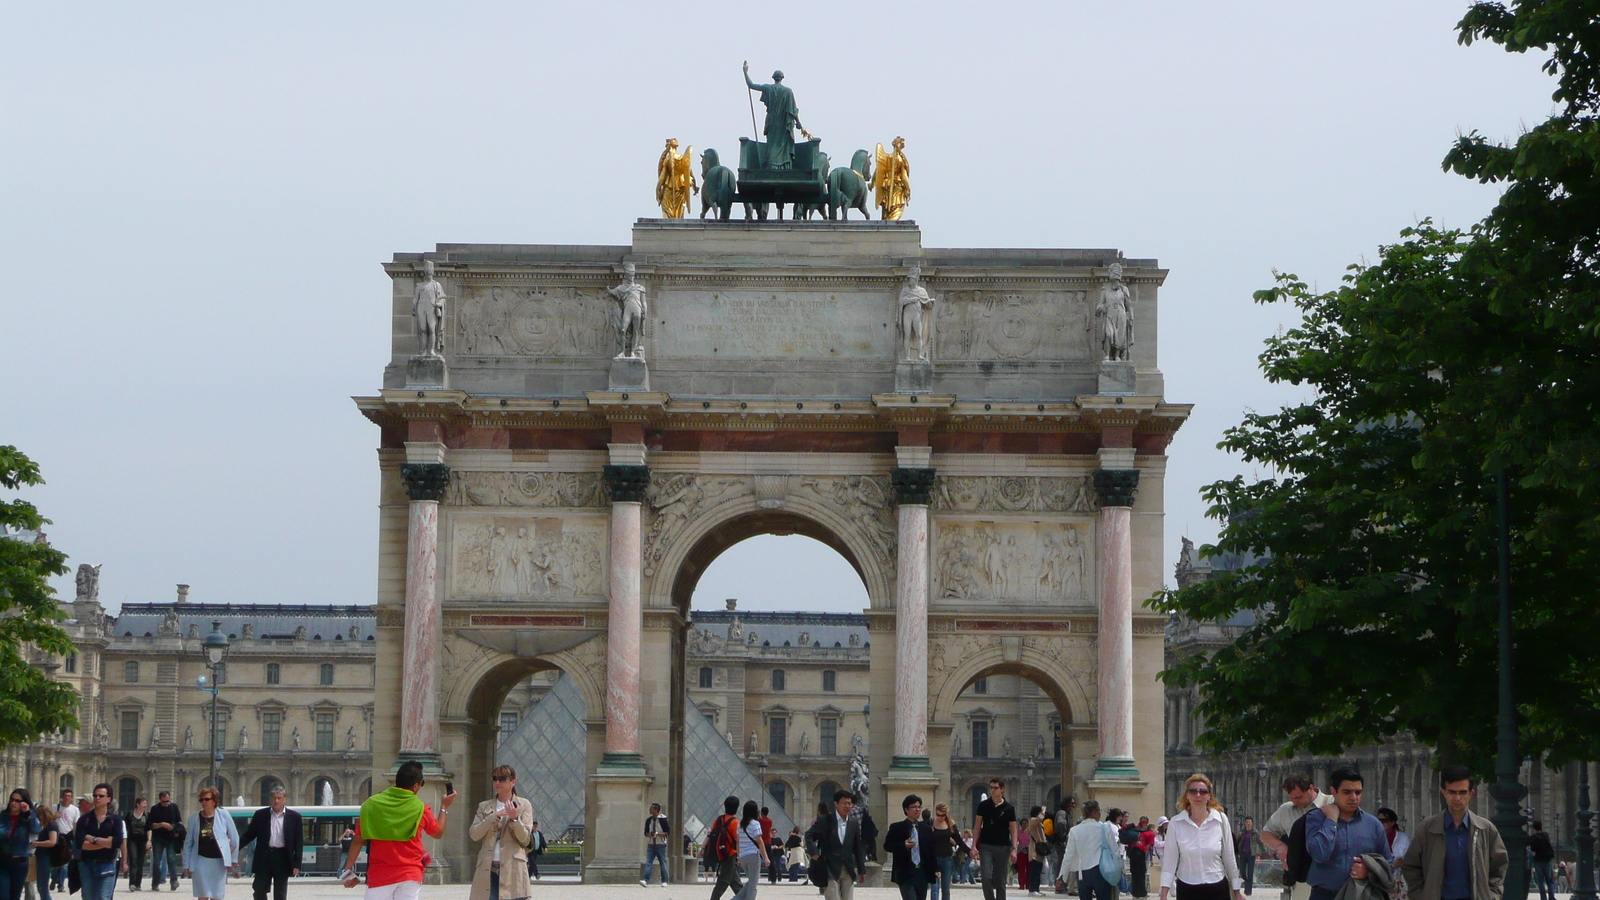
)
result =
(276, 831)
(910, 845)
(834, 841)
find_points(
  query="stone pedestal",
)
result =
(629, 373)
(621, 803)
(419, 681)
(896, 785)
(426, 373)
(1116, 376)
(1114, 551)
(913, 376)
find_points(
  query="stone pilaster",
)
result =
(912, 489)
(1116, 487)
(426, 477)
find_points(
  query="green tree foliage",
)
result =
(30, 704)
(1455, 354)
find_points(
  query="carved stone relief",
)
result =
(533, 321)
(674, 499)
(864, 498)
(971, 493)
(1012, 561)
(522, 557)
(553, 490)
(999, 325)
(1076, 657)
(705, 643)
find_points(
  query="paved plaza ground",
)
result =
(553, 888)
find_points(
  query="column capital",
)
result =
(1116, 487)
(627, 483)
(912, 486)
(425, 481)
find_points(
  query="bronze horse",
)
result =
(717, 186)
(847, 188)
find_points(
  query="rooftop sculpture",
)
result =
(780, 171)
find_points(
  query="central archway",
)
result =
(717, 538)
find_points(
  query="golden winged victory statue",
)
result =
(891, 180)
(675, 180)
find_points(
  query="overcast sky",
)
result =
(197, 198)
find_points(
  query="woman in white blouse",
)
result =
(1199, 857)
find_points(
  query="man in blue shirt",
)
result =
(1339, 833)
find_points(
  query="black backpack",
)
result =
(1298, 867)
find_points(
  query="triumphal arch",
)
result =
(571, 434)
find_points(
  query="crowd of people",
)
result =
(1327, 845)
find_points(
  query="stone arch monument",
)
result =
(547, 503)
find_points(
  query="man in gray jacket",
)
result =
(1457, 855)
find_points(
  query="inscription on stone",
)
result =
(993, 325)
(775, 325)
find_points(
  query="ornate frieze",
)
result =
(1013, 493)
(674, 499)
(1022, 561)
(555, 490)
(425, 481)
(1116, 487)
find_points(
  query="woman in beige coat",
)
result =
(503, 823)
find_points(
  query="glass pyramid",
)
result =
(548, 751)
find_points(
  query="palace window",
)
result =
(325, 674)
(778, 736)
(271, 730)
(980, 740)
(779, 679)
(705, 676)
(130, 672)
(1055, 734)
(222, 673)
(780, 793)
(274, 673)
(130, 729)
(981, 686)
(830, 680)
(72, 662)
(324, 731)
(830, 737)
(127, 792)
(508, 724)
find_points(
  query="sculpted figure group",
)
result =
(832, 193)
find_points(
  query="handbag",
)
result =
(1110, 859)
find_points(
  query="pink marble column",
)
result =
(1115, 556)
(419, 677)
(911, 637)
(623, 634)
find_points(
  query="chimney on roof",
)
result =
(183, 593)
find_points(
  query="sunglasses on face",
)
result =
(102, 796)
(502, 778)
(1199, 790)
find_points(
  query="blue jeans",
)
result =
(165, 863)
(99, 878)
(653, 852)
(1541, 879)
(947, 875)
(13, 877)
(1247, 871)
(1093, 886)
(41, 866)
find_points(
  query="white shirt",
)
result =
(276, 833)
(1200, 854)
(1282, 820)
(503, 804)
(67, 818)
(843, 824)
(1083, 847)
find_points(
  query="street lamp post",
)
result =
(1507, 791)
(1584, 889)
(216, 647)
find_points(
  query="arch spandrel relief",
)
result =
(528, 557)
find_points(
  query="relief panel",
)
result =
(533, 321)
(742, 324)
(524, 557)
(1013, 561)
(553, 490)
(993, 325)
